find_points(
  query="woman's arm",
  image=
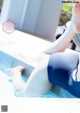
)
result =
(61, 44)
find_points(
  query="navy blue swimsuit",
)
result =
(60, 68)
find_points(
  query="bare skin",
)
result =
(76, 18)
(38, 83)
(39, 76)
(16, 77)
(62, 43)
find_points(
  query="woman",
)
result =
(57, 68)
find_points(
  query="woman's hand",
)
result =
(75, 21)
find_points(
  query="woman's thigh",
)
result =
(38, 83)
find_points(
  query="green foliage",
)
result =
(67, 7)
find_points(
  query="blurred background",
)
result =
(65, 17)
(1, 2)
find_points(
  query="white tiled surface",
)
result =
(6, 88)
(23, 46)
(24, 40)
(40, 105)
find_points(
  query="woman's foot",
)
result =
(17, 69)
(16, 78)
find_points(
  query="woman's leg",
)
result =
(16, 72)
(37, 84)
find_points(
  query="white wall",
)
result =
(33, 16)
(48, 18)
(13, 10)
(23, 13)
(41, 18)
(5, 10)
(16, 11)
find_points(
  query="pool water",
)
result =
(6, 88)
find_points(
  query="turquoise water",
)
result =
(61, 92)
(6, 86)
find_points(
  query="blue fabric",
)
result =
(60, 68)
